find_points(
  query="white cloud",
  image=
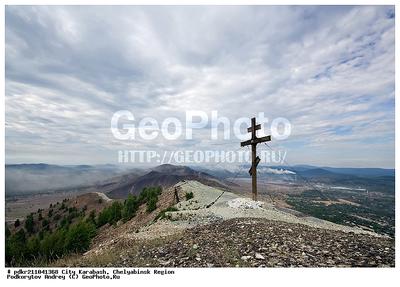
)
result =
(329, 70)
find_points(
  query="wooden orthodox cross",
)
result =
(254, 158)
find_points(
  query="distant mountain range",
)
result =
(304, 170)
(117, 182)
(362, 171)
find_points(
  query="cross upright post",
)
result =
(254, 158)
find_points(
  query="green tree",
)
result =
(92, 217)
(111, 214)
(150, 196)
(131, 205)
(16, 248)
(45, 224)
(148, 193)
(33, 247)
(152, 204)
(115, 212)
(72, 210)
(79, 236)
(103, 217)
(29, 223)
(64, 222)
(53, 244)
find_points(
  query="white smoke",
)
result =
(278, 171)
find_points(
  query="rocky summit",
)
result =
(255, 242)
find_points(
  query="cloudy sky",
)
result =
(328, 70)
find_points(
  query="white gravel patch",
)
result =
(244, 203)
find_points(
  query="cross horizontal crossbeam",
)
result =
(257, 127)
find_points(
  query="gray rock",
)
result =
(259, 256)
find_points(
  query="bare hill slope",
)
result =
(165, 176)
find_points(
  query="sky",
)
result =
(328, 70)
